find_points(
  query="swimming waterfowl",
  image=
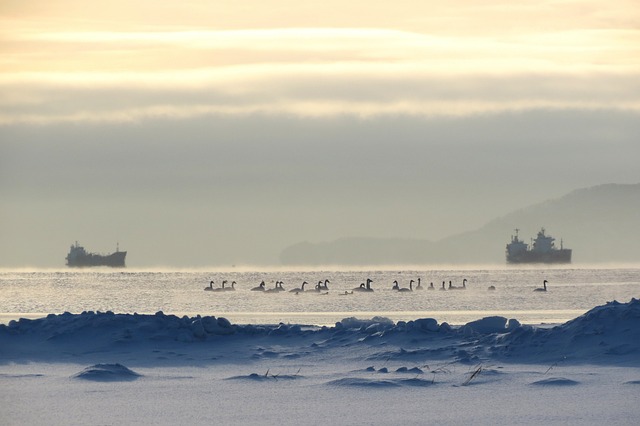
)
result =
(316, 288)
(259, 288)
(365, 287)
(275, 289)
(221, 288)
(463, 287)
(419, 286)
(368, 287)
(403, 289)
(324, 286)
(299, 289)
(544, 283)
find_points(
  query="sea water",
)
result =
(571, 292)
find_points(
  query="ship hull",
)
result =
(114, 260)
(556, 256)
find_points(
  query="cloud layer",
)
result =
(61, 75)
(202, 134)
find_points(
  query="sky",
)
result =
(199, 133)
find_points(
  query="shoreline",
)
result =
(455, 318)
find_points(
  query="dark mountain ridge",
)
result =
(600, 224)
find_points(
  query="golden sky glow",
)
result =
(409, 57)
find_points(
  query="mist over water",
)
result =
(572, 291)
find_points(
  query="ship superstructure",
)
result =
(541, 250)
(79, 257)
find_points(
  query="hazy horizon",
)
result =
(196, 136)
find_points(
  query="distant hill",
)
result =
(600, 224)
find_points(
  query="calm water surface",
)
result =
(572, 291)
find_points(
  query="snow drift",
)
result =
(605, 334)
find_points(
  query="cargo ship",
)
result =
(78, 257)
(542, 250)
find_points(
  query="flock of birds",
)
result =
(323, 287)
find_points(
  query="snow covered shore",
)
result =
(108, 368)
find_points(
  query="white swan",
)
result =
(276, 289)
(365, 287)
(324, 286)
(368, 287)
(404, 289)
(316, 288)
(299, 289)
(544, 283)
(464, 285)
(220, 288)
(259, 288)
